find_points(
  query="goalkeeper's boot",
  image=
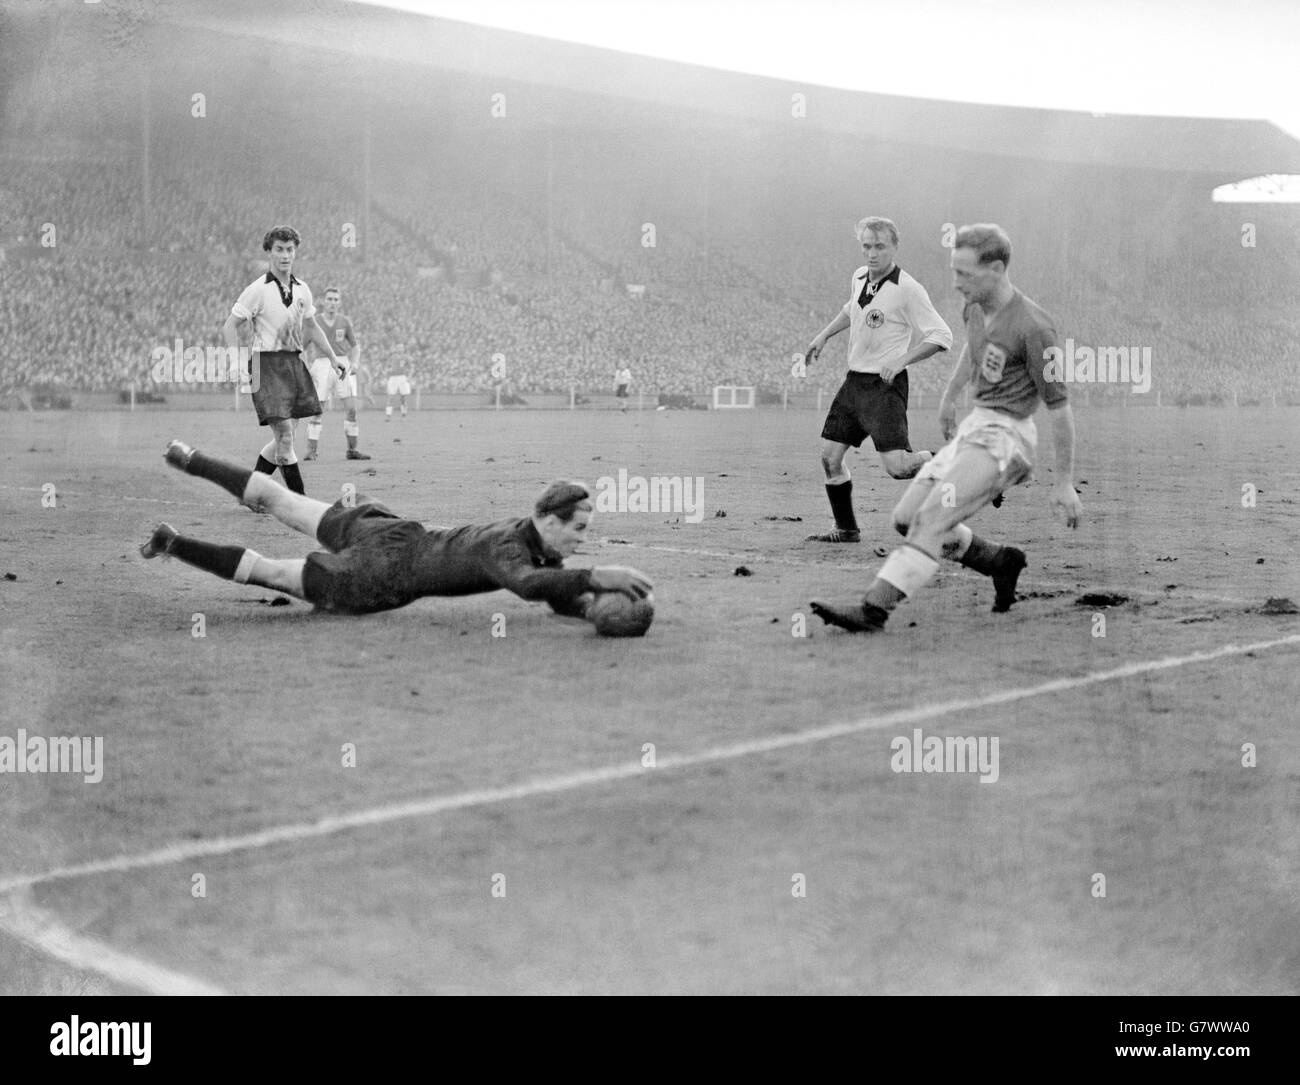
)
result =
(856, 617)
(178, 455)
(353, 454)
(160, 542)
(837, 535)
(1010, 563)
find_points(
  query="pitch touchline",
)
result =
(42, 931)
(176, 853)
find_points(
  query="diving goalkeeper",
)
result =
(377, 561)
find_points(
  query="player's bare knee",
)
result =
(896, 465)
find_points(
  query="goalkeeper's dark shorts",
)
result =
(370, 567)
(865, 406)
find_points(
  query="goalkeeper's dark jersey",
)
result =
(381, 562)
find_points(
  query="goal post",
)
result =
(729, 396)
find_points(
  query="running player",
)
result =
(891, 325)
(278, 311)
(1009, 344)
(329, 383)
(377, 561)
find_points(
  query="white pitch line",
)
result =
(42, 931)
(379, 815)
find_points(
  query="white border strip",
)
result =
(379, 815)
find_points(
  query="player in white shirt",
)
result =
(892, 324)
(275, 312)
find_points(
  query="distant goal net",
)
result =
(729, 396)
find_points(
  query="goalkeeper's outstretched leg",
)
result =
(236, 563)
(256, 490)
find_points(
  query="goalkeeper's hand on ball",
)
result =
(635, 585)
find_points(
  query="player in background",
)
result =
(622, 380)
(892, 325)
(329, 383)
(377, 561)
(1010, 341)
(275, 312)
(399, 385)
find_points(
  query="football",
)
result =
(615, 615)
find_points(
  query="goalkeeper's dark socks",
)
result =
(292, 477)
(211, 558)
(841, 499)
(264, 466)
(228, 476)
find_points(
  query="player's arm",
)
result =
(232, 333)
(313, 333)
(927, 325)
(354, 349)
(1064, 495)
(836, 326)
(961, 375)
(1042, 345)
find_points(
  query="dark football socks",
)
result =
(841, 499)
(264, 466)
(982, 556)
(211, 558)
(883, 595)
(226, 475)
(292, 477)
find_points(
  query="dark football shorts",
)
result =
(865, 406)
(284, 387)
(370, 567)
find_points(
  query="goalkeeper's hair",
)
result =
(562, 499)
(873, 224)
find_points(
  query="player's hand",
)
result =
(635, 585)
(1068, 501)
(889, 371)
(814, 351)
(947, 421)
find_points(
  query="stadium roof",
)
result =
(587, 78)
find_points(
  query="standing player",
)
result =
(891, 325)
(329, 383)
(398, 385)
(379, 562)
(622, 379)
(278, 310)
(1009, 341)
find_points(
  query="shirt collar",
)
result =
(533, 539)
(892, 277)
